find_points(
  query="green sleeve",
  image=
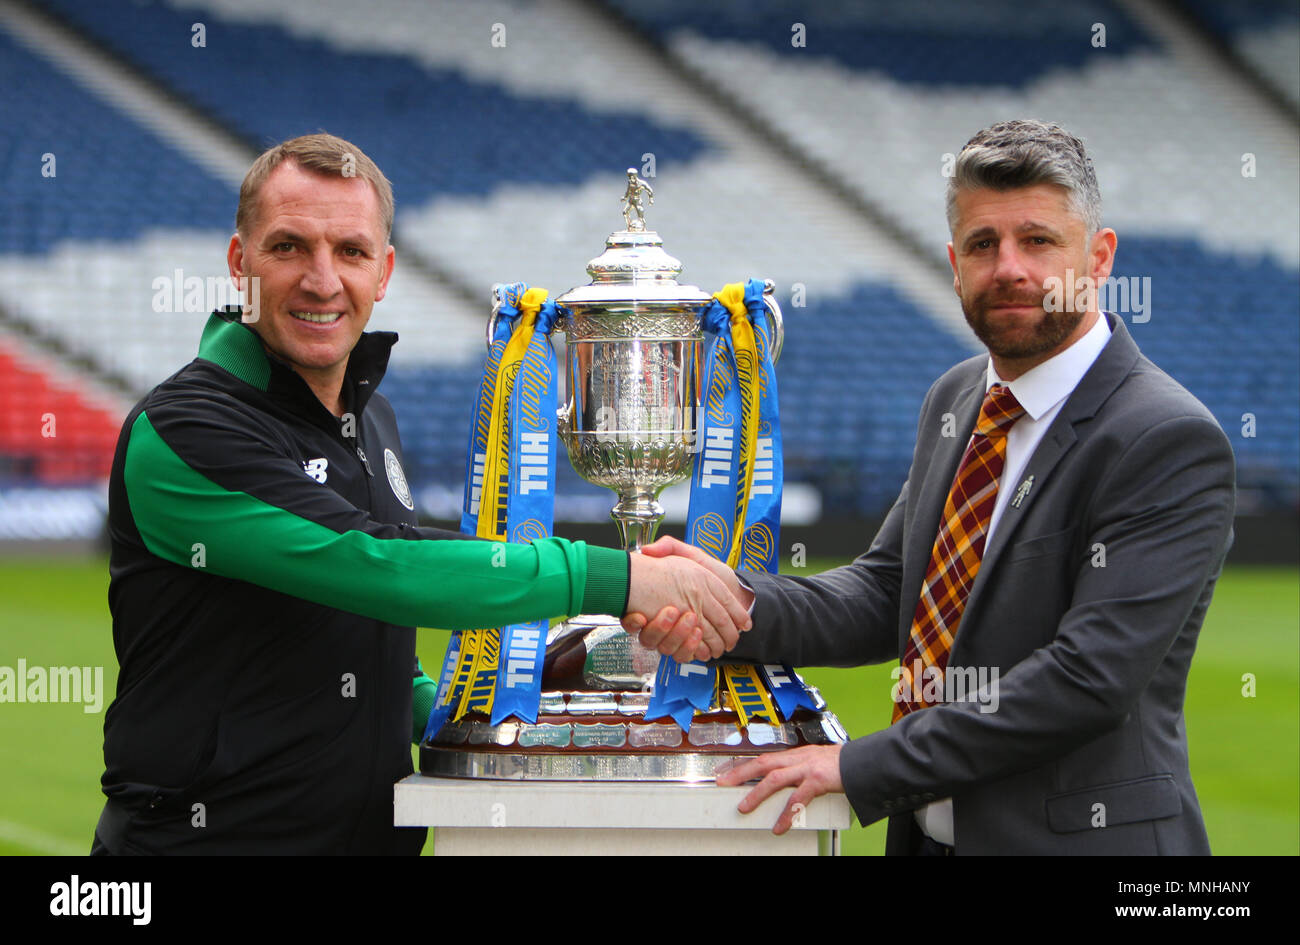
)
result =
(310, 543)
(422, 696)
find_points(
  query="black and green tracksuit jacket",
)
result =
(266, 578)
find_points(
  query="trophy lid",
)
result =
(634, 266)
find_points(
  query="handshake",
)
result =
(684, 602)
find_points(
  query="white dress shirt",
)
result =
(1042, 391)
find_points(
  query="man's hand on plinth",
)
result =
(814, 770)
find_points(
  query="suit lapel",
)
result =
(1053, 446)
(932, 490)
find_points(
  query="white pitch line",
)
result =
(41, 842)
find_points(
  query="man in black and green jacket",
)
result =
(267, 572)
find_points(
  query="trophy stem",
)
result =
(637, 517)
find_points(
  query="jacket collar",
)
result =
(1110, 369)
(1115, 363)
(231, 345)
(1048, 384)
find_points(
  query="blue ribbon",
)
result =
(530, 502)
(787, 688)
(758, 551)
(681, 688)
(531, 508)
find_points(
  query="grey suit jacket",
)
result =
(1087, 607)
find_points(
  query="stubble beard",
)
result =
(1049, 333)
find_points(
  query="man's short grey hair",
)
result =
(1022, 153)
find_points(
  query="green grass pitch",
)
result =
(1245, 748)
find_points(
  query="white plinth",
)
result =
(487, 818)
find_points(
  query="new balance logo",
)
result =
(316, 468)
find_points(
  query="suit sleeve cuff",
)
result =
(747, 586)
(855, 776)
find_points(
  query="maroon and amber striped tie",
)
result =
(955, 560)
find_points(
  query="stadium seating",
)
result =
(935, 43)
(1264, 33)
(51, 433)
(506, 164)
(432, 131)
(908, 85)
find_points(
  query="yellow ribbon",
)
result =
(464, 673)
(750, 701)
(496, 467)
(743, 343)
(480, 689)
(482, 648)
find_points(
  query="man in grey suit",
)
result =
(1055, 719)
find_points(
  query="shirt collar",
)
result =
(1045, 385)
(230, 344)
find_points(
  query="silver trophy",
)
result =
(634, 348)
(634, 351)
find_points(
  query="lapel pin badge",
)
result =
(1023, 491)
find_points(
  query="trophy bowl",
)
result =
(633, 349)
